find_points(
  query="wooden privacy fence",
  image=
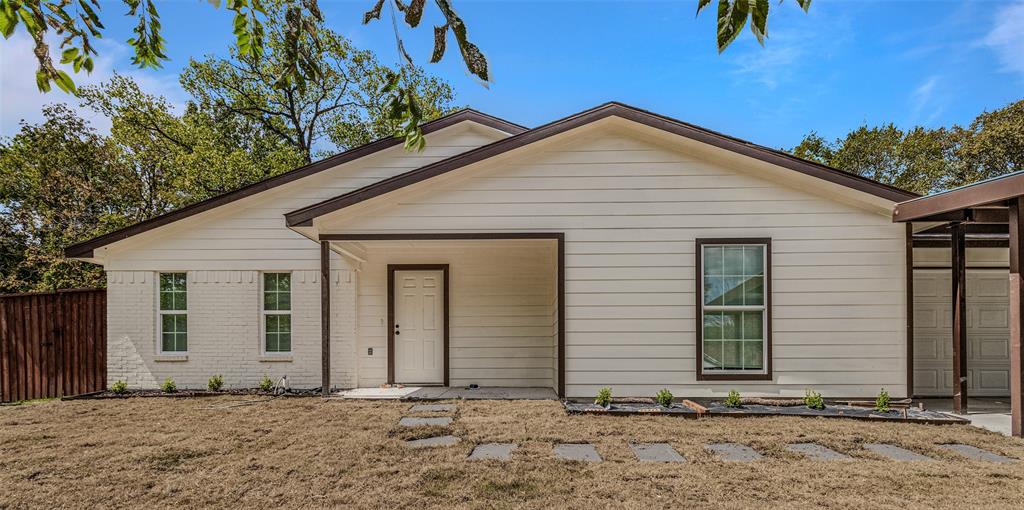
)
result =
(52, 344)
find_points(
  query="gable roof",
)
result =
(305, 215)
(85, 249)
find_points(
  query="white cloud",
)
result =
(20, 99)
(927, 101)
(1006, 38)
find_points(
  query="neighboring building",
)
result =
(611, 248)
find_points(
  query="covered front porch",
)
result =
(438, 314)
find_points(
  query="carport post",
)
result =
(959, 294)
(1016, 223)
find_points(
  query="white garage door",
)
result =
(988, 333)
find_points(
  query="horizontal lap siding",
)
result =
(501, 310)
(630, 212)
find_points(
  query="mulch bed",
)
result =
(693, 410)
(104, 395)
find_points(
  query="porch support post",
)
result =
(325, 318)
(1016, 224)
(959, 295)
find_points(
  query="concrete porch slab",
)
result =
(448, 393)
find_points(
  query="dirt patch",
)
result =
(307, 452)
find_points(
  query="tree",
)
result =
(927, 160)
(59, 182)
(345, 103)
(179, 159)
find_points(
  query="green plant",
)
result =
(882, 401)
(813, 400)
(168, 386)
(604, 397)
(215, 383)
(733, 400)
(664, 398)
(119, 387)
(266, 384)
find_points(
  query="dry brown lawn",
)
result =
(306, 452)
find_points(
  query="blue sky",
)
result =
(846, 63)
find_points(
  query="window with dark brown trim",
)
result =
(733, 295)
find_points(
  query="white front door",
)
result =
(988, 333)
(419, 327)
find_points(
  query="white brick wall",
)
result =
(224, 331)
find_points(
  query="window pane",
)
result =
(269, 282)
(731, 328)
(753, 291)
(270, 301)
(712, 353)
(284, 301)
(753, 260)
(733, 263)
(733, 291)
(284, 342)
(173, 291)
(284, 323)
(712, 325)
(714, 288)
(712, 260)
(753, 355)
(753, 325)
(284, 282)
(731, 356)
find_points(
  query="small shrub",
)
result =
(119, 387)
(168, 386)
(215, 383)
(664, 398)
(733, 400)
(813, 400)
(266, 384)
(604, 397)
(882, 401)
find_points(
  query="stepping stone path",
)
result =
(432, 408)
(975, 453)
(656, 452)
(493, 451)
(733, 452)
(895, 452)
(816, 451)
(432, 441)
(441, 421)
(582, 452)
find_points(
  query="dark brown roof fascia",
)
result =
(983, 193)
(305, 215)
(85, 248)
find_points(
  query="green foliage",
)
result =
(927, 160)
(733, 16)
(168, 386)
(604, 397)
(813, 400)
(733, 399)
(882, 401)
(215, 383)
(119, 387)
(266, 384)
(350, 100)
(664, 398)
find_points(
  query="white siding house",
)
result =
(612, 248)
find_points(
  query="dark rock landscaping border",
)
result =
(630, 408)
(109, 395)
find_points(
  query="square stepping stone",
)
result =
(584, 452)
(975, 453)
(816, 451)
(493, 451)
(895, 452)
(656, 452)
(441, 421)
(432, 408)
(734, 452)
(432, 441)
